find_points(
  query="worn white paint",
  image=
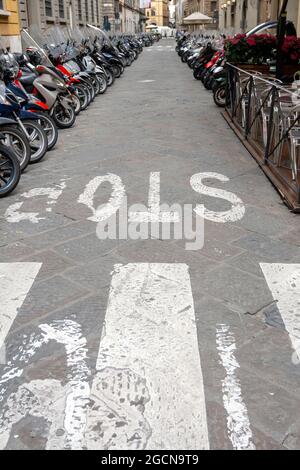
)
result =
(146, 81)
(284, 283)
(106, 211)
(16, 280)
(14, 215)
(148, 389)
(62, 406)
(237, 210)
(154, 213)
(238, 424)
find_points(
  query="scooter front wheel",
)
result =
(16, 141)
(102, 84)
(83, 96)
(50, 128)
(10, 171)
(197, 73)
(117, 71)
(64, 117)
(37, 140)
(220, 96)
(110, 77)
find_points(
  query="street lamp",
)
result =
(280, 38)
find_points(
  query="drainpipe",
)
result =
(33, 14)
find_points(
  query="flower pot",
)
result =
(261, 68)
(290, 69)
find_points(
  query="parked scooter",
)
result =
(11, 75)
(26, 122)
(45, 82)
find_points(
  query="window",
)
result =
(79, 5)
(61, 8)
(48, 8)
(233, 15)
(1, 5)
(86, 11)
(213, 6)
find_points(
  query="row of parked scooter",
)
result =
(58, 75)
(205, 56)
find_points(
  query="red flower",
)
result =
(240, 36)
(251, 41)
(294, 56)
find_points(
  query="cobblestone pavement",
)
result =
(197, 349)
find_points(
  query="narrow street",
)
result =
(144, 344)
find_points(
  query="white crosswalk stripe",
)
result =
(284, 283)
(148, 368)
(16, 280)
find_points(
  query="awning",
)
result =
(197, 18)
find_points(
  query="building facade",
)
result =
(131, 16)
(209, 8)
(243, 15)
(10, 24)
(111, 15)
(172, 13)
(45, 13)
(158, 13)
(179, 13)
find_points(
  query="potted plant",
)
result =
(251, 53)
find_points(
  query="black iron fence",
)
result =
(266, 116)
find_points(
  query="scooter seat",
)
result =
(28, 79)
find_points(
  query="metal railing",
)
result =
(267, 116)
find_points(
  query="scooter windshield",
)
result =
(55, 42)
(100, 36)
(35, 42)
